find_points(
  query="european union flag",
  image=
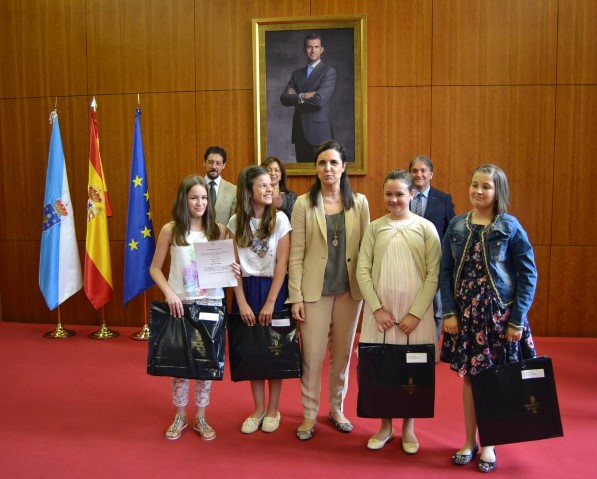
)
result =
(140, 240)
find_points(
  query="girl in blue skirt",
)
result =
(262, 241)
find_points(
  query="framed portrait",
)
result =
(296, 109)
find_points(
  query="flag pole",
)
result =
(104, 332)
(143, 335)
(59, 332)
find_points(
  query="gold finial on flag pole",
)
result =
(143, 335)
(55, 102)
(104, 332)
(59, 332)
(138, 100)
(94, 104)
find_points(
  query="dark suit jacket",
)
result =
(440, 210)
(315, 114)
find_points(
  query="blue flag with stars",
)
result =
(140, 240)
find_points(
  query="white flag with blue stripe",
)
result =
(60, 273)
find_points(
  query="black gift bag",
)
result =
(396, 380)
(191, 347)
(264, 352)
(517, 402)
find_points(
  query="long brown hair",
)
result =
(181, 215)
(244, 209)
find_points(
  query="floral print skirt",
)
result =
(481, 341)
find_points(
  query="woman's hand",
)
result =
(513, 334)
(298, 311)
(246, 313)
(384, 320)
(265, 315)
(174, 305)
(451, 324)
(408, 324)
(278, 200)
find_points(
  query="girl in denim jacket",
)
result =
(487, 279)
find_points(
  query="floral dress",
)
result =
(481, 341)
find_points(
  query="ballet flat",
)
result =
(463, 459)
(341, 426)
(377, 444)
(410, 447)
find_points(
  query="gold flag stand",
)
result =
(59, 332)
(143, 335)
(104, 332)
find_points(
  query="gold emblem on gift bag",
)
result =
(532, 406)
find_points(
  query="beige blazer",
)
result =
(225, 202)
(309, 249)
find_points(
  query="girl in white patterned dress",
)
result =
(193, 222)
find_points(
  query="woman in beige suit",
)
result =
(328, 224)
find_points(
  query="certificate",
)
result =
(213, 260)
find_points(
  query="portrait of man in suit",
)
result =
(310, 91)
(298, 112)
(433, 205)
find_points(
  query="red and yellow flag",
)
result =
(98, 268)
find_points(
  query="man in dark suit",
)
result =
(433, 205)
(309, 91)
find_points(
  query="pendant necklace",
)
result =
(258, 246)
(334, 228)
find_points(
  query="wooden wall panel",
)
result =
(509, 126)
(21, 261)
(140, 46)
(494, 42)
(539, 311)
(572, 286)
(224, 53)
(24, 144)
(577, 41)
(399, 36)
(169, 136)
(399, 127)
(575, 167)
(19, 118)
(225, 119)
(41, 48)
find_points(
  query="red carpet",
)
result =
(83, 408)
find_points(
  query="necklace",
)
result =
(334, 228)
(259, 247)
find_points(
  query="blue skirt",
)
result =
(256, 289)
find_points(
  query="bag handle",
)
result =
(384, 338)
(504, 357)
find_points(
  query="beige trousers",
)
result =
(331, 321)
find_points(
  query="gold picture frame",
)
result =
(278, 53)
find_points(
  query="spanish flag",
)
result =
(98, 269)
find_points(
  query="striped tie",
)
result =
(419, 204)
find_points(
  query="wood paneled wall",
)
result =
(467, 82)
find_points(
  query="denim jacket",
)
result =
(509, 261)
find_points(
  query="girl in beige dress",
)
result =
(398, 275)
